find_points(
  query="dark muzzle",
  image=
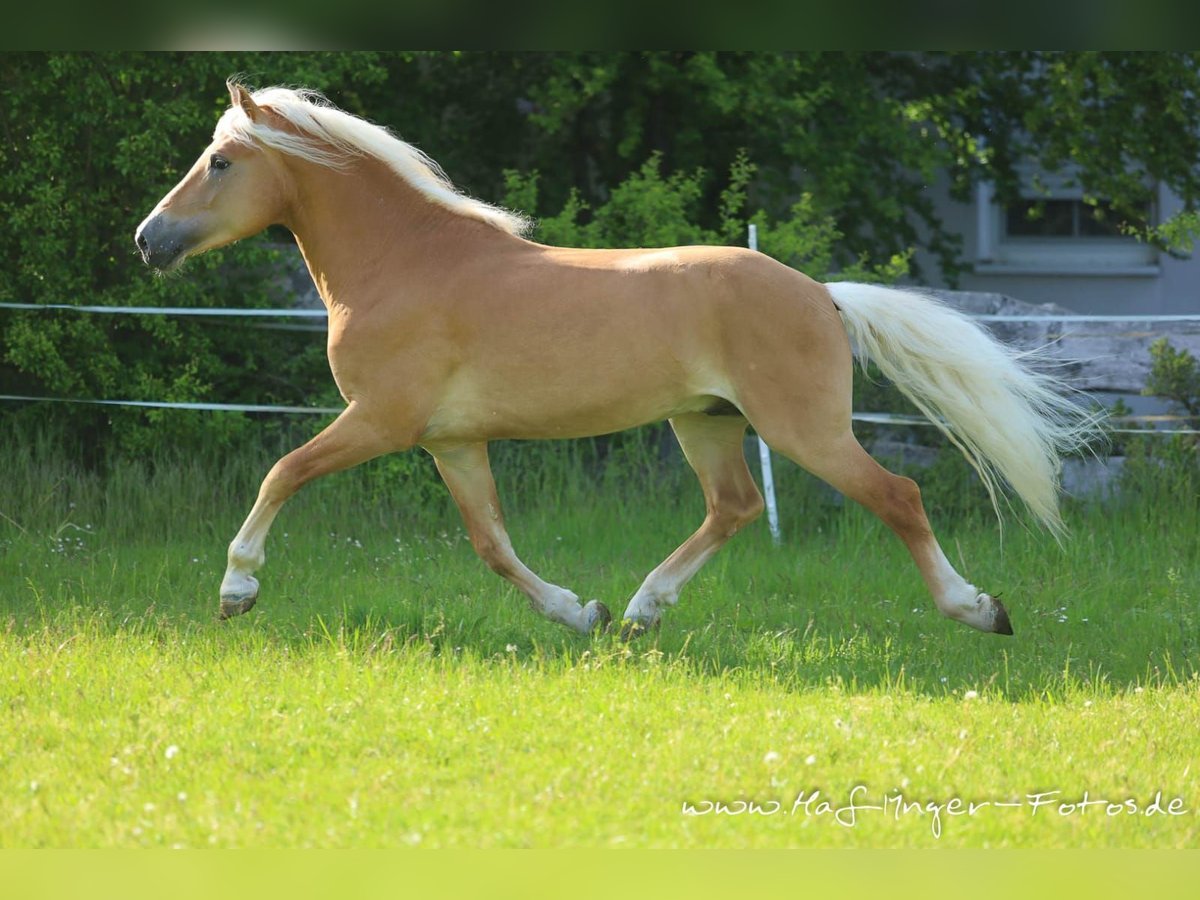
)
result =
(160, 243)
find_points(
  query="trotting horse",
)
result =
(448, 330)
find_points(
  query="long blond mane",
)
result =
(331, 137)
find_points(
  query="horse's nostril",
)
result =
(142, 243)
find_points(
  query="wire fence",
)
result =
(879, 418)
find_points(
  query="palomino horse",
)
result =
(448, 330)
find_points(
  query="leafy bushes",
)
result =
(88, 144)
(833, 153)
(92, 141)
(1168, 467)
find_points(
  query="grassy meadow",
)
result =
(389, 691)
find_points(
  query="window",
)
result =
(1051, 230)
(1061, 219)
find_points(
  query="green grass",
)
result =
(388, 690)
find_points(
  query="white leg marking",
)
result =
(247, 553)
(959, 599)
(662, 586)
(467, 474)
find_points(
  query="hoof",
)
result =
(596, 617)
(1001, 624)
(235, 606)
(635, 628)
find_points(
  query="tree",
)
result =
(836, 152)
(864, 134)
(88, 144)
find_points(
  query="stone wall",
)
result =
(1096, 356)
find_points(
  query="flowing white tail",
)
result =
(1007, 419)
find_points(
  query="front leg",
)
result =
(468, 475)
(349, 440)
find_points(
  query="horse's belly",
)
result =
(568, 408)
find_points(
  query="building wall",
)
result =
(1161, 285)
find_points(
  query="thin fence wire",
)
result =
(303, 313)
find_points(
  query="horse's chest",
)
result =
(356, 361)
(384, 364)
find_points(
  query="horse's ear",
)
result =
(241, 97)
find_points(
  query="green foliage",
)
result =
(1174, 376)
(649, 209)
(1091, 103)
(644, 210)
(88, 144)
(831, 154)
(866, 134)
(1168, 467)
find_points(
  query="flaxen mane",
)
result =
(330, 137)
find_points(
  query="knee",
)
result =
(495, 553)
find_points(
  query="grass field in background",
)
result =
(388, 690)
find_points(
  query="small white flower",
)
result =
(771, 758)
(510, 648)
(970, 695)
(809, 760)
(171, 752)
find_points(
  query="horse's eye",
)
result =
(217, 161)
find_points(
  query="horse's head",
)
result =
(235, 189)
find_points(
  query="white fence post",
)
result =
(764, 452)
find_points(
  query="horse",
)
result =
(449, 329)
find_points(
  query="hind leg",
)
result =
(843, 463)
(713, 448)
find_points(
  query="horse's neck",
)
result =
(355, 228)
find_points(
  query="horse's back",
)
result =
(566, 342)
